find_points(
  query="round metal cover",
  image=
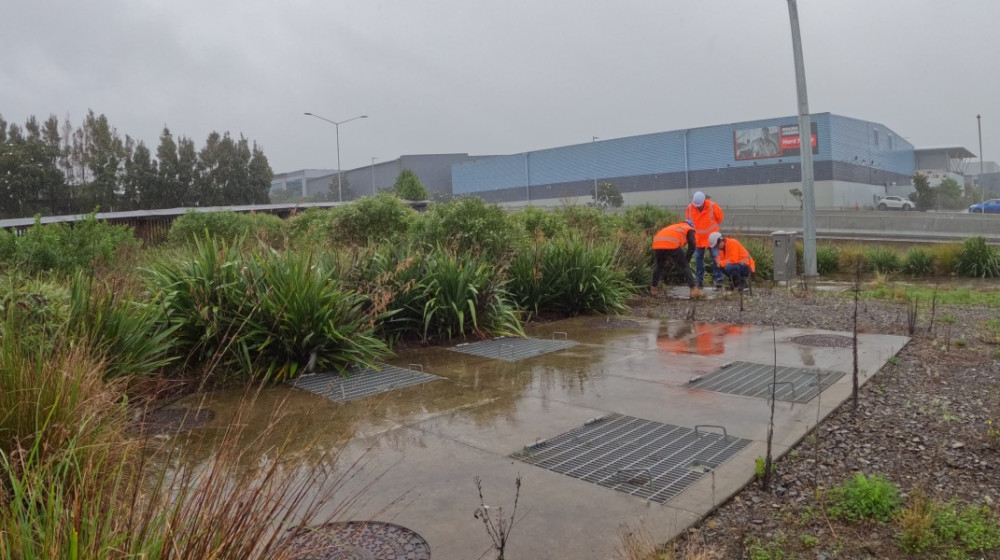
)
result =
(613, 324)
(172, 420)
(357, 540)
(824, 340)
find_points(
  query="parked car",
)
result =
(894, 203)
(991, 206)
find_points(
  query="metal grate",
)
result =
(361, 382)
(793, 384)
(513, 349)
(637, 457)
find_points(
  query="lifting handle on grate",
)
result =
(413, 366)
(564, 335)
(634, 476)
(774, 385)
(725, 436)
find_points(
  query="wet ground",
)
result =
(645, 382)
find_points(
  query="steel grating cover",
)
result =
(637, 457)
(795, 384)
(512, 349)
(361, 382)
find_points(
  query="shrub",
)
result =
(469, 225)
(946, 258)
(227, 226)
(851, 259)
(373, 219)
(918, 262)
(978, 259)
(648, 219)
(440, 296)
(264, 314)
(865, 498)
(8, 244)
(827, 259)
(539, 223)
(882, 260)
(587, 222)
(129, 337)
(635, 257)
(763, 257)
(61, 248)
(36, 308)
(569, 276)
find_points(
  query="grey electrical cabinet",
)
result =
(783, 249)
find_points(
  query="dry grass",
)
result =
(635, 542)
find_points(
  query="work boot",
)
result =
(696, 293)
(654, 291)
(718, 285)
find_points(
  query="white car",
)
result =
(894, 203)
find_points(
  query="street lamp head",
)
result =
(310, 114)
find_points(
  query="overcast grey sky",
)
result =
(439, 76)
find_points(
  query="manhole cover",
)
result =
(357, 540)
(361, 382)
(634, 456)
(613, 324)
(824, 340)
(512, 349)
(172, 420)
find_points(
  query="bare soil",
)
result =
(923, 421)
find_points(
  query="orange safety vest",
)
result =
(705, 221)
(735, 253)
(672, 236)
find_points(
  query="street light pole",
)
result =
(336, 124)
(373, 175)
(593, 140)
(805, 149)
(982, 186)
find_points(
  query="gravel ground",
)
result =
(922, 421)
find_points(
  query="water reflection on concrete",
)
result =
(429, 440)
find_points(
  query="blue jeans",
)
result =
(699, 265)
(738, 273)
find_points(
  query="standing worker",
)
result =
(706, 217)
(667, 244)
(734, 259)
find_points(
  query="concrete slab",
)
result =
(422, 446)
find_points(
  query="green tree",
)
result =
(950, 194)
(140, 182)
(608, 195)
(797, 193)
(30, 180)
(925, 198)
(409, 187)
(104, 157)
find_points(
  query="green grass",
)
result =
(945, 296)
(872, 498)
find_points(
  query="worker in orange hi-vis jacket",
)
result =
(734, 259)
(706, 217)
(668, 243)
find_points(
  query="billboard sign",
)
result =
(770, 142)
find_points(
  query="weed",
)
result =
(497, 526)
(773, 550)
(759, 466)
(793, 454)
(988, 332)
(946, 258)
(809, 541)
(865, 498)
(917, 522)
(893, 361)
(918, 262)
(992, 432)
(827, 259)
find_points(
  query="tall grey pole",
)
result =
(336, 124)
(593, 141)
(982, 186)
(805, 148)
(340, 175)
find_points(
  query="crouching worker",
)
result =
(734, 259)
(668, 244)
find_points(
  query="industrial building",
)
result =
(751, 164)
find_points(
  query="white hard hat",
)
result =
(698, 199)
(713, 238)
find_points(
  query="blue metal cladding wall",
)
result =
(854, 143)
(846, 152)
